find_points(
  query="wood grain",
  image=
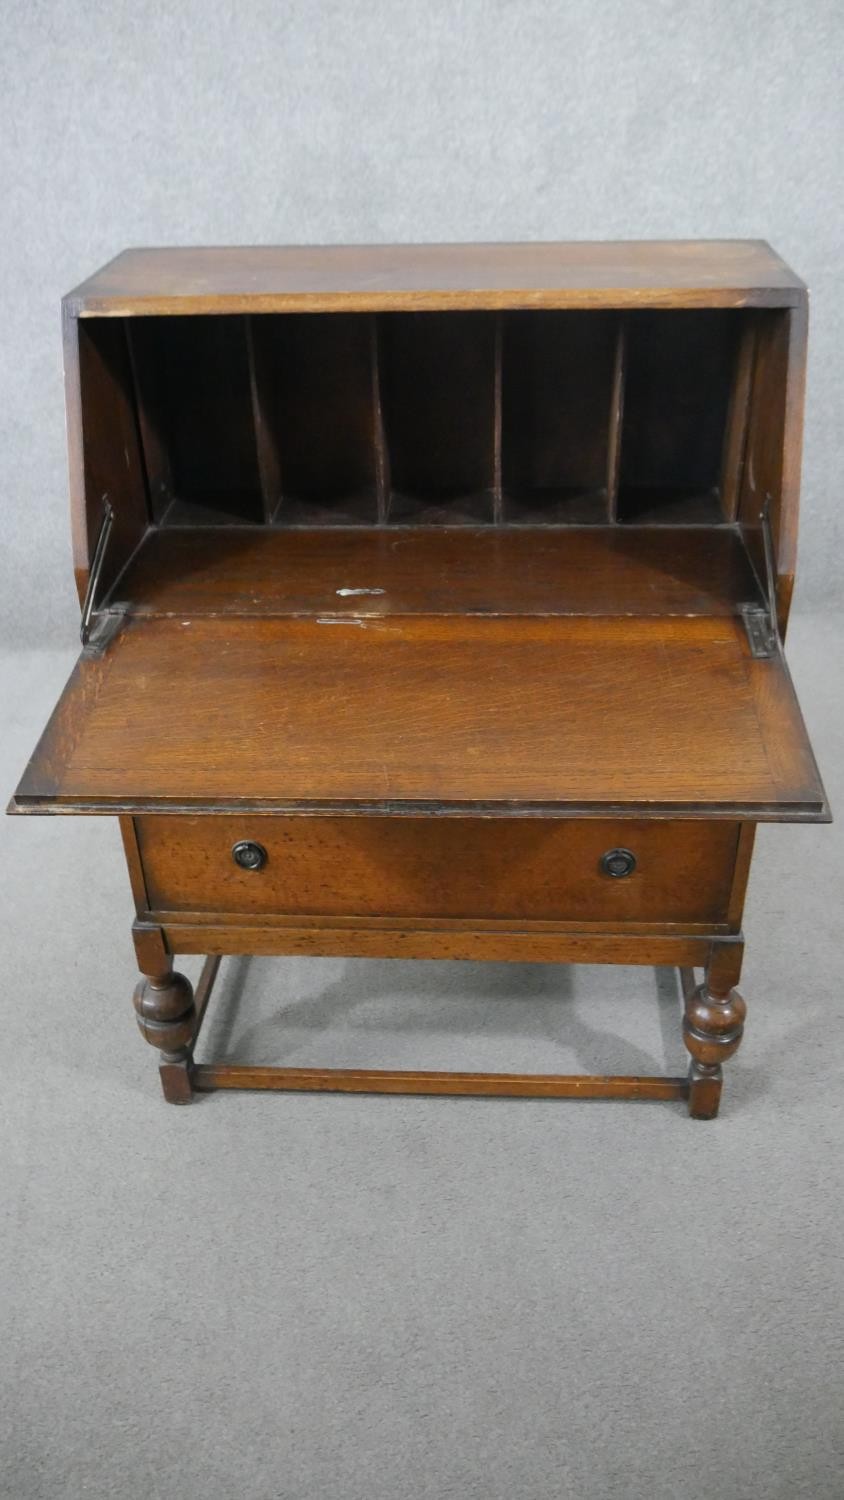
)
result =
(515, 944)
(641, 715)
(315, 380)
(195, 383)
(775, 443)
(209, 1076)
(104, 449)
(370, 573)
(427, 574)
(557, 398)
(532, 870)
(678, 378)
(367, 278)
(437, 386)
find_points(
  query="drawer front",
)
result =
(487, 868)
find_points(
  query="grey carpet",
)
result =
(294, 1296)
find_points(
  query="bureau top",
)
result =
(408, 278)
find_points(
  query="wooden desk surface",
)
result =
(507, 714)
(372, 571)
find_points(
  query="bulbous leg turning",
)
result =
(713, 1026)
(166, 1018)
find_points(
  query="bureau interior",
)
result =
(506, 420)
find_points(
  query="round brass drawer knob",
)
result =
(618, 863)
(249, 855)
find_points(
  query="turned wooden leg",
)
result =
(712, 1029)
(167, 1020)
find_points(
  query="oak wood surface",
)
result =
(502, 943)
(639, 714)
(741, 874)
(734, 450)
(314, 382)
(437, 377)
(775, 443)
(769, 370)
(435, 733)
(668, 273)
(194, 391)
(439, 418)
(372, 572)
(211, 916)
(557, 386)
(209, 1076)
(104, 450)
(219, 447)
(181, 1075)
(167, 1011)
(678, 377)
(533, 870)
(129, 837)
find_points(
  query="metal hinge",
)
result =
(96, 570)
(760, 620)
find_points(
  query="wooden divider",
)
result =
(469, 418)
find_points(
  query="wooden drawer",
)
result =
(485, 868)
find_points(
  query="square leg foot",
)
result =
(705, 1083)
(177, 1080)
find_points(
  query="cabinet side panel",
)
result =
(75, 462)
(775, 442)
(129, 835)
(103, 446)
(741, 874)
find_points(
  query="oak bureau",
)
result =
(433, 602)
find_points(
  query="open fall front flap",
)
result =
(503, 714)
